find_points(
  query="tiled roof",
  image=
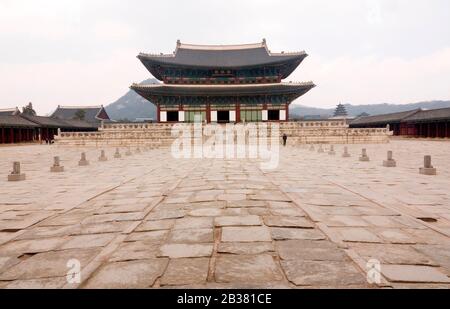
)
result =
(9, 111)
(221, 56)
(429, 115)
(16, 122)
(69, 113)
(219, 90)
(45, 121)
(386, 118)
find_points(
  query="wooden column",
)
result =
(238, 112)
(11, 136)
(158, 113)
(208, 111)
(287, 112)
(446, 129)
(2, 136)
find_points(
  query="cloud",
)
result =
(71, 82)
(83, 51)
(371, 79)
(45, 19)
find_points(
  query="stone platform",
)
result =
(151, 221)
(160, 135)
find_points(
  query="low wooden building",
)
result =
(428, 123)
(15, 129)
(416, 123)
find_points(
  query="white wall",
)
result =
(163, 116)
(213, 116)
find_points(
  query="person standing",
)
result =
(285, 137)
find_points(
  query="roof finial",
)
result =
(178, 43)
(264, 42)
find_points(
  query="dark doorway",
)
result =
(172, 116)
(223, 116)
(274, 115)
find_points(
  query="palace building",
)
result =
(222, 84)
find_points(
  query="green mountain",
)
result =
(132, 106)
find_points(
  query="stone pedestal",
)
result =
(83, 161)
(103, 157)
(56, 168)
(364, 157)
(346, 154)
(332, 152)
(428, 168)
(16, 175)
(390, 162)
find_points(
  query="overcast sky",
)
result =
(83, 52)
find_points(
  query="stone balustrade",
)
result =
(160, 135)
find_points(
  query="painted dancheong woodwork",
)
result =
(223, 84)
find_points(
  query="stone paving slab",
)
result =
(149, 220)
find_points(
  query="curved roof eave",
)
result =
(148, 61)
(219, 90)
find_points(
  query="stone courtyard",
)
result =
(151, 221)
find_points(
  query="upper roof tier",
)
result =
(233, 57)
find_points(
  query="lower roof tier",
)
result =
(155, 92)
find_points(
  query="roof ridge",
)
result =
(221, 46)
(220, 85)
(435, 109)
(8, 109)
(79, 107)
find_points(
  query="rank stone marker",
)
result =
(390, 162)
(16, 175)
(346, 154)
(332, 152)
(103, 157)
(428, 169)
(364, 157)
(138, 150)
(83, 161)
(312, 148)
(56, 168)
(128, 153)
(320, 149)
(117, 155)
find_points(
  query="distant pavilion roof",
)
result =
(92, 113)
(386, 118)
(223, 90)
(221, 56)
